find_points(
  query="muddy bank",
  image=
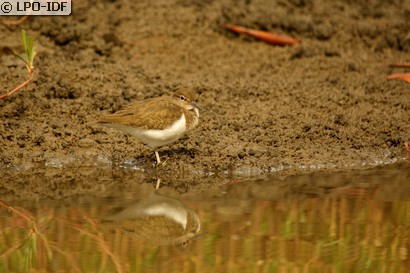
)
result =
(324, 104)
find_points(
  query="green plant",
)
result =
(28, 46)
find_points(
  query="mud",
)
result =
(320, 105)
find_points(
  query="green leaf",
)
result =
(30, 55)
(20, 57)
(28, 45)
(24, 40)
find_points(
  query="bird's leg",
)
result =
(157, 156)
(158, 183)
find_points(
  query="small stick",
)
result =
(402, 76)
(266, 36)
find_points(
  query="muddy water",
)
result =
(340, 222)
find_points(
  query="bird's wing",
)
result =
(157, 113)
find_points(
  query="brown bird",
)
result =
(157, 121)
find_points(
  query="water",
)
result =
(324, 222)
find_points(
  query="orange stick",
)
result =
(268, 37)
(406, 148)
(405, 77)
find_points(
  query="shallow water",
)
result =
(340, 222)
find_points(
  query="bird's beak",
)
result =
(197, 106)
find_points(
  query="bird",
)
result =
(156, 121)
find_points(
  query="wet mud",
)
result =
(322, 105)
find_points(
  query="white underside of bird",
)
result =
(155, 137)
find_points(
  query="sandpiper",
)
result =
(157, 121)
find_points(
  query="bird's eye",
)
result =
(182, 97)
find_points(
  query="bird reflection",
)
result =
(158, 219)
